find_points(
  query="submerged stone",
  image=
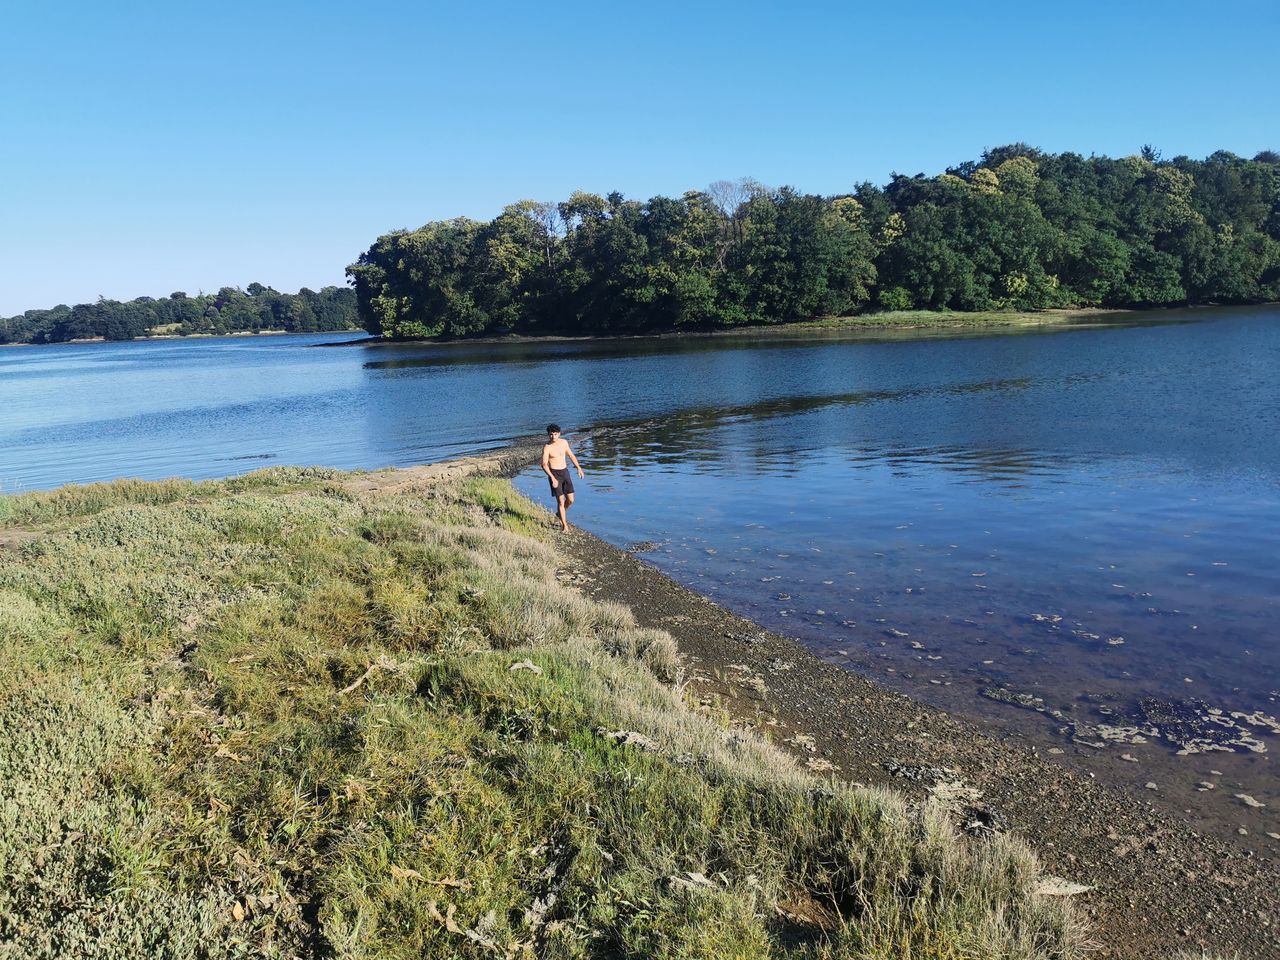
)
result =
(1004, 695)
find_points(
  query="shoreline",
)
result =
(942, 321)
(389, 660)
(1159, 886)
(1153, 886)
(187, 336)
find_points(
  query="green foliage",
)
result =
(1019, 230)
(43, 507)
(230, 310)
(501, 501)
(272, 717)
(895, 298)
(78, 500)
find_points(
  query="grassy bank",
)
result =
(287, 715)
(886, 320)
(926, 319)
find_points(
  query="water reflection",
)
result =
(514, 352)
(760, 439)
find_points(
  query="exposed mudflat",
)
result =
(1157, 886)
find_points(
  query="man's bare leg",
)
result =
(564, 523)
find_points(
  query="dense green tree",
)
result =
(1018, 229)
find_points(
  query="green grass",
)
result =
(266, 717)
(907, 319)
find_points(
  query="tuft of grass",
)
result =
(268, 717)
(44, 507)
(503, 503)
(78, 500)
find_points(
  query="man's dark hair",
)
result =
(553, 428)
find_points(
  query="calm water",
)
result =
(1085, 516)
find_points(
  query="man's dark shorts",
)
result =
(565, 484)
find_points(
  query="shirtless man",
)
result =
(554, 466)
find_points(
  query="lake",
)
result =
(1068, 532)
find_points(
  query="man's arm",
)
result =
(546, 464)
(568, 451)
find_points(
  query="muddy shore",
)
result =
(1159, 887)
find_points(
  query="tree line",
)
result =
(1019, 229)
(230, 310)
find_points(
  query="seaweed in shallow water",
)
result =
(1195, 727)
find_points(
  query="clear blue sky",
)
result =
(151, 147)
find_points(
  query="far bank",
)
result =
(905, 320)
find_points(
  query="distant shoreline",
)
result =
(187, 336)
(871, 322)
(905, 320)
(897, 320)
